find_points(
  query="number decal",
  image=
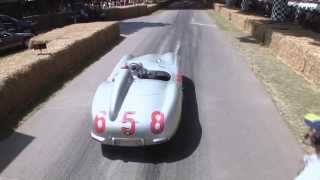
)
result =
(131, 130)
(157, 123)
(179, 77)
(99, 122)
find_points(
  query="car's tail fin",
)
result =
(121, 63)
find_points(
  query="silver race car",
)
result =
(140, 102)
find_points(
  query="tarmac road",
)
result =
(230, 128)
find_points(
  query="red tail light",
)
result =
(179, 77)
(99, 123)
(125, 66)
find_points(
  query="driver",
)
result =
(137, 70)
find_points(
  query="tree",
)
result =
(279, 10)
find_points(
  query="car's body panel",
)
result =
(131, 111)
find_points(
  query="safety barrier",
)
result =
(28, 73)
(295, 46)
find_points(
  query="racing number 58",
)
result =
(157, 123)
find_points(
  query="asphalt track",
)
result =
(230, 128)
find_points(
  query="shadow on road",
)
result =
(128, 28)
(12, 147)
(182, 144)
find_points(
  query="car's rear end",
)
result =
(148, 113)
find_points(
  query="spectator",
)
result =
(311, 170)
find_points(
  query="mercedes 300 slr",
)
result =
(140, 102)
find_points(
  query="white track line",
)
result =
(177, 48)
(205, 25)
(193, 22)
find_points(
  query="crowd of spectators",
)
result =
(22, 8)
(303, 12)
(103, 4)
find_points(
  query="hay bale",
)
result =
(226, 13)
(218, 6)
(120, 13)
(304, 58)
(296, 47)
(312, 67)
(239, 20)
(292, 54)
(152, 8)
(142, 10)
(259, 31)
(273, 39)
(252, 26)
(24, 75)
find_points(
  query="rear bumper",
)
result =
(130, 141)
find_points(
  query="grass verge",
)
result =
(291, 93)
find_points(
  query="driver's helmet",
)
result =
(312, 121)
